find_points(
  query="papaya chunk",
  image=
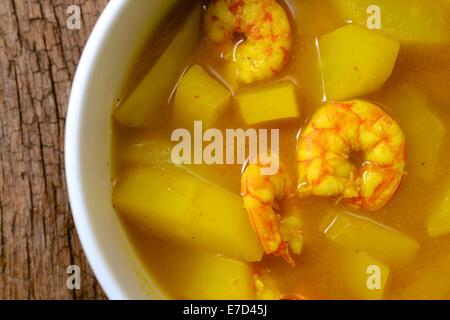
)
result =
(422, 127)
(355, 61)
(199, 97)
(268, 103)
(178, 206)
(151, 151)
(140, 108)
(438, 223)
(364, 276)
(210, 277)
(362, 234)
(409, 21)
(155, 150)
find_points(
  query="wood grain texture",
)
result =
(38, 59)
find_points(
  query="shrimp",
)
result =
(324, 148)
(261, 194)
(255, 36)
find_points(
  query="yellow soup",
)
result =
(292, 149)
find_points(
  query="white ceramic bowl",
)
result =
(107, 58)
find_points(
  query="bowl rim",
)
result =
(72, 152)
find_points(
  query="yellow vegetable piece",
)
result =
(365, 277)
(438, 223)
(355, 61)
(199, 97)
(154, 151)
(411, 21)
(204, 276)
(178, 206)
(421, 127)
(431, 282)
(269, 103)
(362, 234)
(140, 108)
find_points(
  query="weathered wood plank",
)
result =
(38, 58)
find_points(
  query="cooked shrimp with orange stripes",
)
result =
(325, 145)
(255, 37)
(261, 194)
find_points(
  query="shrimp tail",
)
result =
(283, 252)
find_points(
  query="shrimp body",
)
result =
(261, 194)
(325, 145)
(265, 36)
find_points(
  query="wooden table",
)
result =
(38, 59)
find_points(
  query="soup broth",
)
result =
(416, 95)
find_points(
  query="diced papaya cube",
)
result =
(365, 277)
(438, 223)
(199, 97)
(409, 21)
(355, 61)
(422, 128)
(362, 234)
(269, 103)
(431, 282)
(178, 206)
(204, 276)
(140, 108)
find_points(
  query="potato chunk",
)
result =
(199, 97)
(411, 21)
(423, 129)
(365, 277)
(438, 223)
(203, 276)
(355, 61)
(356, 233)
(269, 103)
(178, 206)
(140, 108)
